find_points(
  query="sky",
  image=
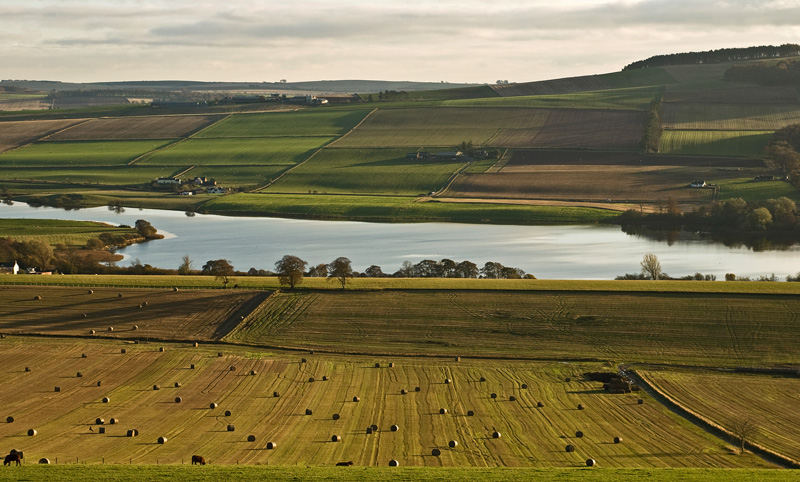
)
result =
(477, 41)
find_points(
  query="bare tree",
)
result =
(185, 266)
(744, 429)
(290, 270)
(341, 270)
(651, 266)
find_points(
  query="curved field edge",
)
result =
(178, 473)
(371, 284)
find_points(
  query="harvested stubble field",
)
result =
(226, 152)
(303, 123)
(374, 171)
(638, 98)
(79, 153)
(134, 127)
(138, 313)
(15, 134)
(616, 80)
(750, 190)
(769, 401)
(53, 232)
(715, 143)
(737, 117)
(531, 436)
(760, 95)
(679, 328)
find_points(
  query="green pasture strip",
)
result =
(74, 113)
(715, 143)
(750, 190)
(224, 152)
(110, 175)
(240, 175)
(636, 98)
(329, 123)
(79, 153)
(12, 96)
(398, 209)
(271, 283)
(750, 116)
(449, 94)
(446, 127)
(53, 231)
(372, 171)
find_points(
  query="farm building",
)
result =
(9, 268)
(185, 193)
(168, 181)
(698, 183)
(215, 190)
(448, 155)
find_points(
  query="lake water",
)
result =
(548, 252)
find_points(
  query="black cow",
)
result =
(197, 459)
(344, 464)
(13, 457)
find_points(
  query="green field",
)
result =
(107, 175)
(53, 232)
(228, 152)
(79, 153)
(367, 171)
(736, 117)
(715, 143)
(323, 123)
(638, 98)
(750, 190)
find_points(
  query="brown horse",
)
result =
(197, 459)
(12, 457)
(344, 464)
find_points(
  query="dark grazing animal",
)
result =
(344, 464)
(12, 457)
(197, 459)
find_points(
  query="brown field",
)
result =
(553, 87)
(18, 133)
(12, 105)
(149, 127)
(185, 314)
(761, 95)
(80, 102)
(712, 116)
(531, 436)
(724, 398)
(579, 128)
(523, 160)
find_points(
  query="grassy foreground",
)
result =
(69, 473)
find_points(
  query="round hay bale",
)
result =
(178, 399)
(212, 405)
(309, 412)
(101, 430)
(32, 432)
(99, 383)
(458, 358)
(417, 389)
(539, 404)
(232, 368)
(640, 401)
(568, 379)
(106, 399)
(251, 438)
(324, 378)
(483, 379)
(58, 389)
(356, 399)
(162, 440)
(227, 413)
(44, 461)
(303, 360)
(174, 288)
(442, 411)
(156, 387)
(92, 332)
(374, 427)
(447, 381)
(436, 452)
(231, 428)
(524, 386)
(394, 463)
(377, 365)
(99, 421)
(580, 406)
(493, 395)
(191, 367)
(310, 379)
(570, 448)
(119, 295)
(132, 433)
(591, 462)
(3, 336)
(27, 369)
(253, 373)
(84, 355)
(110, 328)
(369, 430)
(86, 316)
(470, 413)
(113, 421)
(271, 445)
(617, 440)
(79, 375)
(403, 391)
(452, 444)
(496, 435)
(394, 428)
(9, 419)
(391, 365)
(91, 292)
(276, 394)
(37, 297)
(512, 398)
(579, 434)
(310, 352)
(161, 349)
(123, 350)
(177, 384)
(195, 344)
(219, 354)
(336, 438)
(336, 416)
(135, 327)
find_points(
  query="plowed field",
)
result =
(15, 134)
(150, 127)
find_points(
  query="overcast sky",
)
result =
(455, 41)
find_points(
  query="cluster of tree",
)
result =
(390, 95)
(28, 253)
(717, 56)
(651, 270)
(766, 73)
(784, 151)
(738, 215)
(651, 138)
(64, 201)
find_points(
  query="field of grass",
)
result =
(228, 152)
(107, 175)
(726, 398)
(531, 436)
(638, 98)
(735, 117)
(79, 153)
(614, 80)
(136, 127)
(240, 175)
(393, 209)
(750, 190)
(53, 232)
(732, 93)
(15, 134)
(715, 143)
(324, 123)
(367, 171)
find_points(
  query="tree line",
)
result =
(717, 56)
(779, 73)
(784, 151)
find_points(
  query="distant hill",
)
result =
(718, 56)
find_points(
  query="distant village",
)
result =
(197, 185)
